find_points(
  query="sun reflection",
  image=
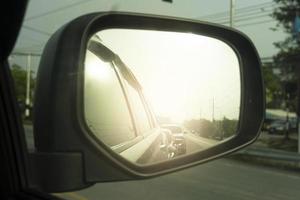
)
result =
(95, 68)
(184, 76)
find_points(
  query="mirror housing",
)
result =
(62, 141)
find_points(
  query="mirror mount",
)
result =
(70, 177)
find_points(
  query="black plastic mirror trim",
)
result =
(58, 119)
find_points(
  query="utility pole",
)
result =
(200, 113)
(287, 120)
(232, 6)
(213, 109)
(27, 101)
(298, 112)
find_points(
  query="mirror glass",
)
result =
(152, 96)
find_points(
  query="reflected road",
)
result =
(195, 143)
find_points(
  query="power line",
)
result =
(57, 10)
(36, 30)
(239, 15)
(49, 13)
(256, 15)
(250, 14)
(239, 25)
(30, 38)
(244, 9)
(220, 15)
(255, 23)
(245, 16)
(245, 19)
(248, 8)
(32, 46)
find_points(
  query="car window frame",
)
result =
(148, 108)
(120, 72)
(132, 81)
(117, 81)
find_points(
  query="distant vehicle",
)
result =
(278, 126)
(178, 137)
(218, 136)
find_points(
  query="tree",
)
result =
(203, 127)
(229, 127)
(20, 75)
(273, 87)
(192, 125)
(288, 57)
(207, 128)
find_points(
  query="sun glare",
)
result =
(184, 76)
(95, 68)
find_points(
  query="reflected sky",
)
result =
(183, 75)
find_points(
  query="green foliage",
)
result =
(289, 48)
(285, 13)
(229, 127)
(203, 127)
(19, 75)
(192, 125)
(273, 87)
(218, 129)
(207, 128)
(288, 57)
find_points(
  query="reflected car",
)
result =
(178, 137)
(139, 139)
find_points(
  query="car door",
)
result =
(126, 125)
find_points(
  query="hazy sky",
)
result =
(47, 16)
(44, 17)
(185, 76)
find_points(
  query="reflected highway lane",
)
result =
(195, 143)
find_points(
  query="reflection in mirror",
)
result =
(152, 96)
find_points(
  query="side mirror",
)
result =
(93, 123)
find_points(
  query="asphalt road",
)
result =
(221, 179)
(195, 143)
(224, 179)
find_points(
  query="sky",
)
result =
(184, 76)
(44, 17)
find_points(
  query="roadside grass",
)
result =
(289, 144)
(277, 142)
(256, 160)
